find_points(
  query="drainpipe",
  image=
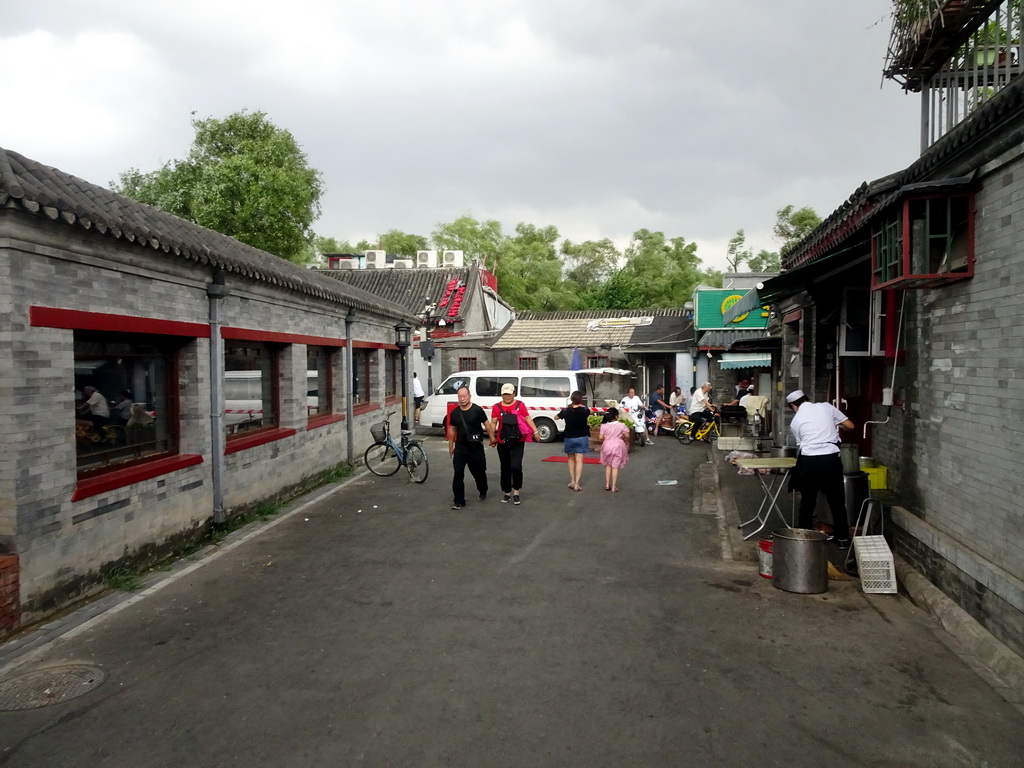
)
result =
(216, 291)
(350, 319)
(887, 395)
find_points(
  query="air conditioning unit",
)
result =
(426, 258)
(452, 258)
(344, 264)
(375, 259)
(403, 263)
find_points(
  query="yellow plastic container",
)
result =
(878, 477)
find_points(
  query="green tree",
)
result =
(243, 177)
(792, 226)
(401, 244)
(529, 271)
(665, 270)
(765, 261)
(589, 264)
(737, 252)
(476, 239)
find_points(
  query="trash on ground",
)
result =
(667, 482)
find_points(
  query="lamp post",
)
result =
(403, 338)
(694, 351)
(426, 345)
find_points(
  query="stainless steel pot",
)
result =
(783, 452)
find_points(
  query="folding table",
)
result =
(772, 482)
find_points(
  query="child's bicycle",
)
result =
(385, 456)
(707, 431)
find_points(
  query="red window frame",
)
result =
(468, 364)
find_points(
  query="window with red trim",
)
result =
(392, 373)
(251, 392)
(528, 363)
(362, 372)
(319, 381)
(126, 399)
(467, 364)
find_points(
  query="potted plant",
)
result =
(594, 421)
(631, 426)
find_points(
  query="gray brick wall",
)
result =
(62, 544)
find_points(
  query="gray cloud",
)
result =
(599, 117)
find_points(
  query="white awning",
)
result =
(742, 360)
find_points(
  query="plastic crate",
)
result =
(875, 565)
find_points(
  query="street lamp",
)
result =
(403, 338)
(694, 351)
(426, 345)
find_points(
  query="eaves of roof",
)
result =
(47, 192)
(409, 288)
(959, 153)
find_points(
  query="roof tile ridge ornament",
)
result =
(9, 186)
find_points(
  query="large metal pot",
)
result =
(783, 451)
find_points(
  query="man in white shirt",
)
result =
(816, 429)
(95, 407)
(698, 408)
(417, 395)
(634, 406)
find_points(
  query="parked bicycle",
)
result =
(707, 431)
(385, 456)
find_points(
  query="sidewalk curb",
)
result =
(996, 657)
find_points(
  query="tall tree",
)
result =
(737, 252)
(401, 244)
(589, 264)
(665, 270)
(792, 226)
(765, 261)
(476, 239)
(243, 177)
(529, 271)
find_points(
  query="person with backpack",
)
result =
(468, 427)
(513, 428)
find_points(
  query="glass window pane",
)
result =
(490, 386)
(249, 387)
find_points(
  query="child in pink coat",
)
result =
(614, 453)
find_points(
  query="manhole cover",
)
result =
(49, 686)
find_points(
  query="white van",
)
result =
(545, 393)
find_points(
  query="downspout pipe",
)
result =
(216, 291)
(350, 320)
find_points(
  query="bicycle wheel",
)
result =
(416, 463)
(683, 432)
(381, 459)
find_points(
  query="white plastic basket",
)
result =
(875, 565)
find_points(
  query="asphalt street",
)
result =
(372, 625)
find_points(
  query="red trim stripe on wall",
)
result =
(252, 334)
(78, 320)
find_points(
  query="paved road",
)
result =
(377, 627)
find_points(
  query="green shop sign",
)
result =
(710, 304)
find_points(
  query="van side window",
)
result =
(451, 387)
(490, 386)
(545, 386)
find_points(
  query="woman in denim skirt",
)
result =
(577, 436)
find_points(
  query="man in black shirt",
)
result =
(468, 427)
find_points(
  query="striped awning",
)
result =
(736, 360)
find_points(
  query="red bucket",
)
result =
(764, 556)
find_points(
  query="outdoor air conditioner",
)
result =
(426, 258)
(452, 258)
(375, 259)
(403, 263)
(344, 264)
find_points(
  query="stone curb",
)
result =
(996, 657)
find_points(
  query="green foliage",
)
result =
(243, 177)
(401, 244)
(122, 578)
(595, 420)
(664, 271)
(737, 252)
(765, 261)
(792, 226)
(477, 239)
(589, 264)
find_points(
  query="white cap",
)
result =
(508, 389)
(795, 395)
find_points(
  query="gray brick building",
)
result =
(903, 308)
(122, 325)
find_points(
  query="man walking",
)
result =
(467, 427)
(816, 429)
(417, 396)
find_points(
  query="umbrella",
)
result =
(575, 364)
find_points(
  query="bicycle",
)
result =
(707, 431)
(385, 456)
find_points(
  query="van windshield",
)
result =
(490, 386)
(452, 385)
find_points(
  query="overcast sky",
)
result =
(600, 117)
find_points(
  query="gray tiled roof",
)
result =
(406, 287)
(560, 330)
(48, 192)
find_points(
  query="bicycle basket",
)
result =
(379, 431)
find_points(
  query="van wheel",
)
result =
(545, 430)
